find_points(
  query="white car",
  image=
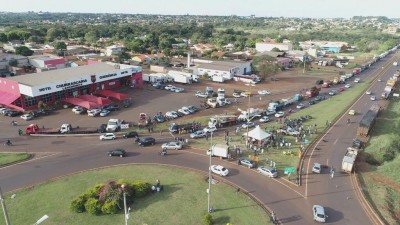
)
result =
(200, 94)
(171, 145)
(244, 94)
(209, 129)
(27, 117)
(270, 112)
(264, 119)
(236, 95)
(179, 90)
(156, 84)
(94, 112)
(248, 124)
(104, 112)
(171, 114)
(279, 114)
(300, 106)
(316, 168)
(357, 80)
(78, 110)
(347, 86)
(107, 136)
(373, 98)
(184, 111)
(319, 213)
(198, 134)
(267, 171)
(220, 170)
(263, 92)
(368, 92)
(169, 87)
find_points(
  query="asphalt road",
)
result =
(59, 156)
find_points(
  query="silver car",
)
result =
(171, 145)
(247, 162)
(267, 171)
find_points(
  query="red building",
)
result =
(25, 91)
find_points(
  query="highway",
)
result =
(60, 156)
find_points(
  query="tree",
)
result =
(275, 49)
(60, 46)
(3, 37)
(91, 36)
(23, 50)
(265, 66)
(165, 41)
(136, 45)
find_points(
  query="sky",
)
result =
(260, 8)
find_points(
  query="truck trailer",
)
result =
(219, 150)
(368, 121)
(349, 160)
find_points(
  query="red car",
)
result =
(340, 89)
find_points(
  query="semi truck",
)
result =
(250, 113)
(275, 106)
(312, 92)
(356, 71)
(368, 120)
(223, 120)
(114, 125)
(349, 160)
(219, 150)
(64, 129)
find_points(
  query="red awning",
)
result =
(82, 103)
(7, 98)
(94, 99)
(112, 94)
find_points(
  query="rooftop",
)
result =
(51, 76)
(221, 65)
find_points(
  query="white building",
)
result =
(5, 60)
(226, 69)
(113, 50)
(268, 46)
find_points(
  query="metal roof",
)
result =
(221, 65)
(51, 76)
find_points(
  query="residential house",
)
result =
(330, 46)
(6, 58)
(12, 45)
(218, 54)
(114, 50)
(203, 48)
(226, 69)
(45, 63)
(268, 46)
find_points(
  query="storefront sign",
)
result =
(107, 76)
(72, 84)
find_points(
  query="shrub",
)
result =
(93, 206)
(78, 204)
(370, 159)
(93, 192)
(208, 219)
(389, 155)
(111, 207)
(140, 188)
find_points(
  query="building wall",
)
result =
(264, 47)
(55, 63)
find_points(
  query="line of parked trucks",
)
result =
(390, 85)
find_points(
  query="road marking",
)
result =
(336, 140)
(327, 162)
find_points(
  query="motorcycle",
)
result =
(14, 123)
(163, 153)
(8, 143)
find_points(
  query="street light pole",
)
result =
(248, 116)
(209, 177)
(3, 205)
(125, 210)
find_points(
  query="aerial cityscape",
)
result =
(188, 112)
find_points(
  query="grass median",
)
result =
(9, 158)
(183, 201)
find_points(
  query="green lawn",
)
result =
(7, 158)
(184, 200)
(383, 179)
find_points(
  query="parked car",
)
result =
(184, 111)
(270, 112)
(248, 124)
(373, 98)
(179, 90)
(107, 136)
(198, 134)
(368, 92)
(340, 89)
(130, 134)
(27, 117)
(247, 162)
(200, 94)
(117, 152)
(147, 141)
(264, 119)
(102, 128)
(171, 145)
(111, 107)
(78, 110)
(347, 86)
(352, 112)
(159, 118)
(192, 109)
(13, 113)
(279, 114)
(312, 102)
(209, 129)
(169, 87)
(332, 92)
(104, 112)
(267, 171)
(316, 168)
(263, 92)
(357, 80)
(300, 106)
(220, 170)
(357, 143)
(319, 213)
(171, 114)
(94, 112)
(236, 95)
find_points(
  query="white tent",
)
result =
(258, 134)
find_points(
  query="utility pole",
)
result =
(3, 205)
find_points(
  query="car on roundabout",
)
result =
(319, 213)
(27, 117)
(316, 168)
(264, 119)
(373, 98)
(263, 92)
(368, 92)
(236, 95)
(220, 170)
(347, 86)
(107, 136)
(173, 145)
(198, 134)
(147, 141)
(130, 134)
(267, 171)
(352, 112)
(248, 124)
(117, 152)
(247, 162)
(280, 114)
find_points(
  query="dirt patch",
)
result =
(385, 181)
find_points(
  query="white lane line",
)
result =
(335, 141)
